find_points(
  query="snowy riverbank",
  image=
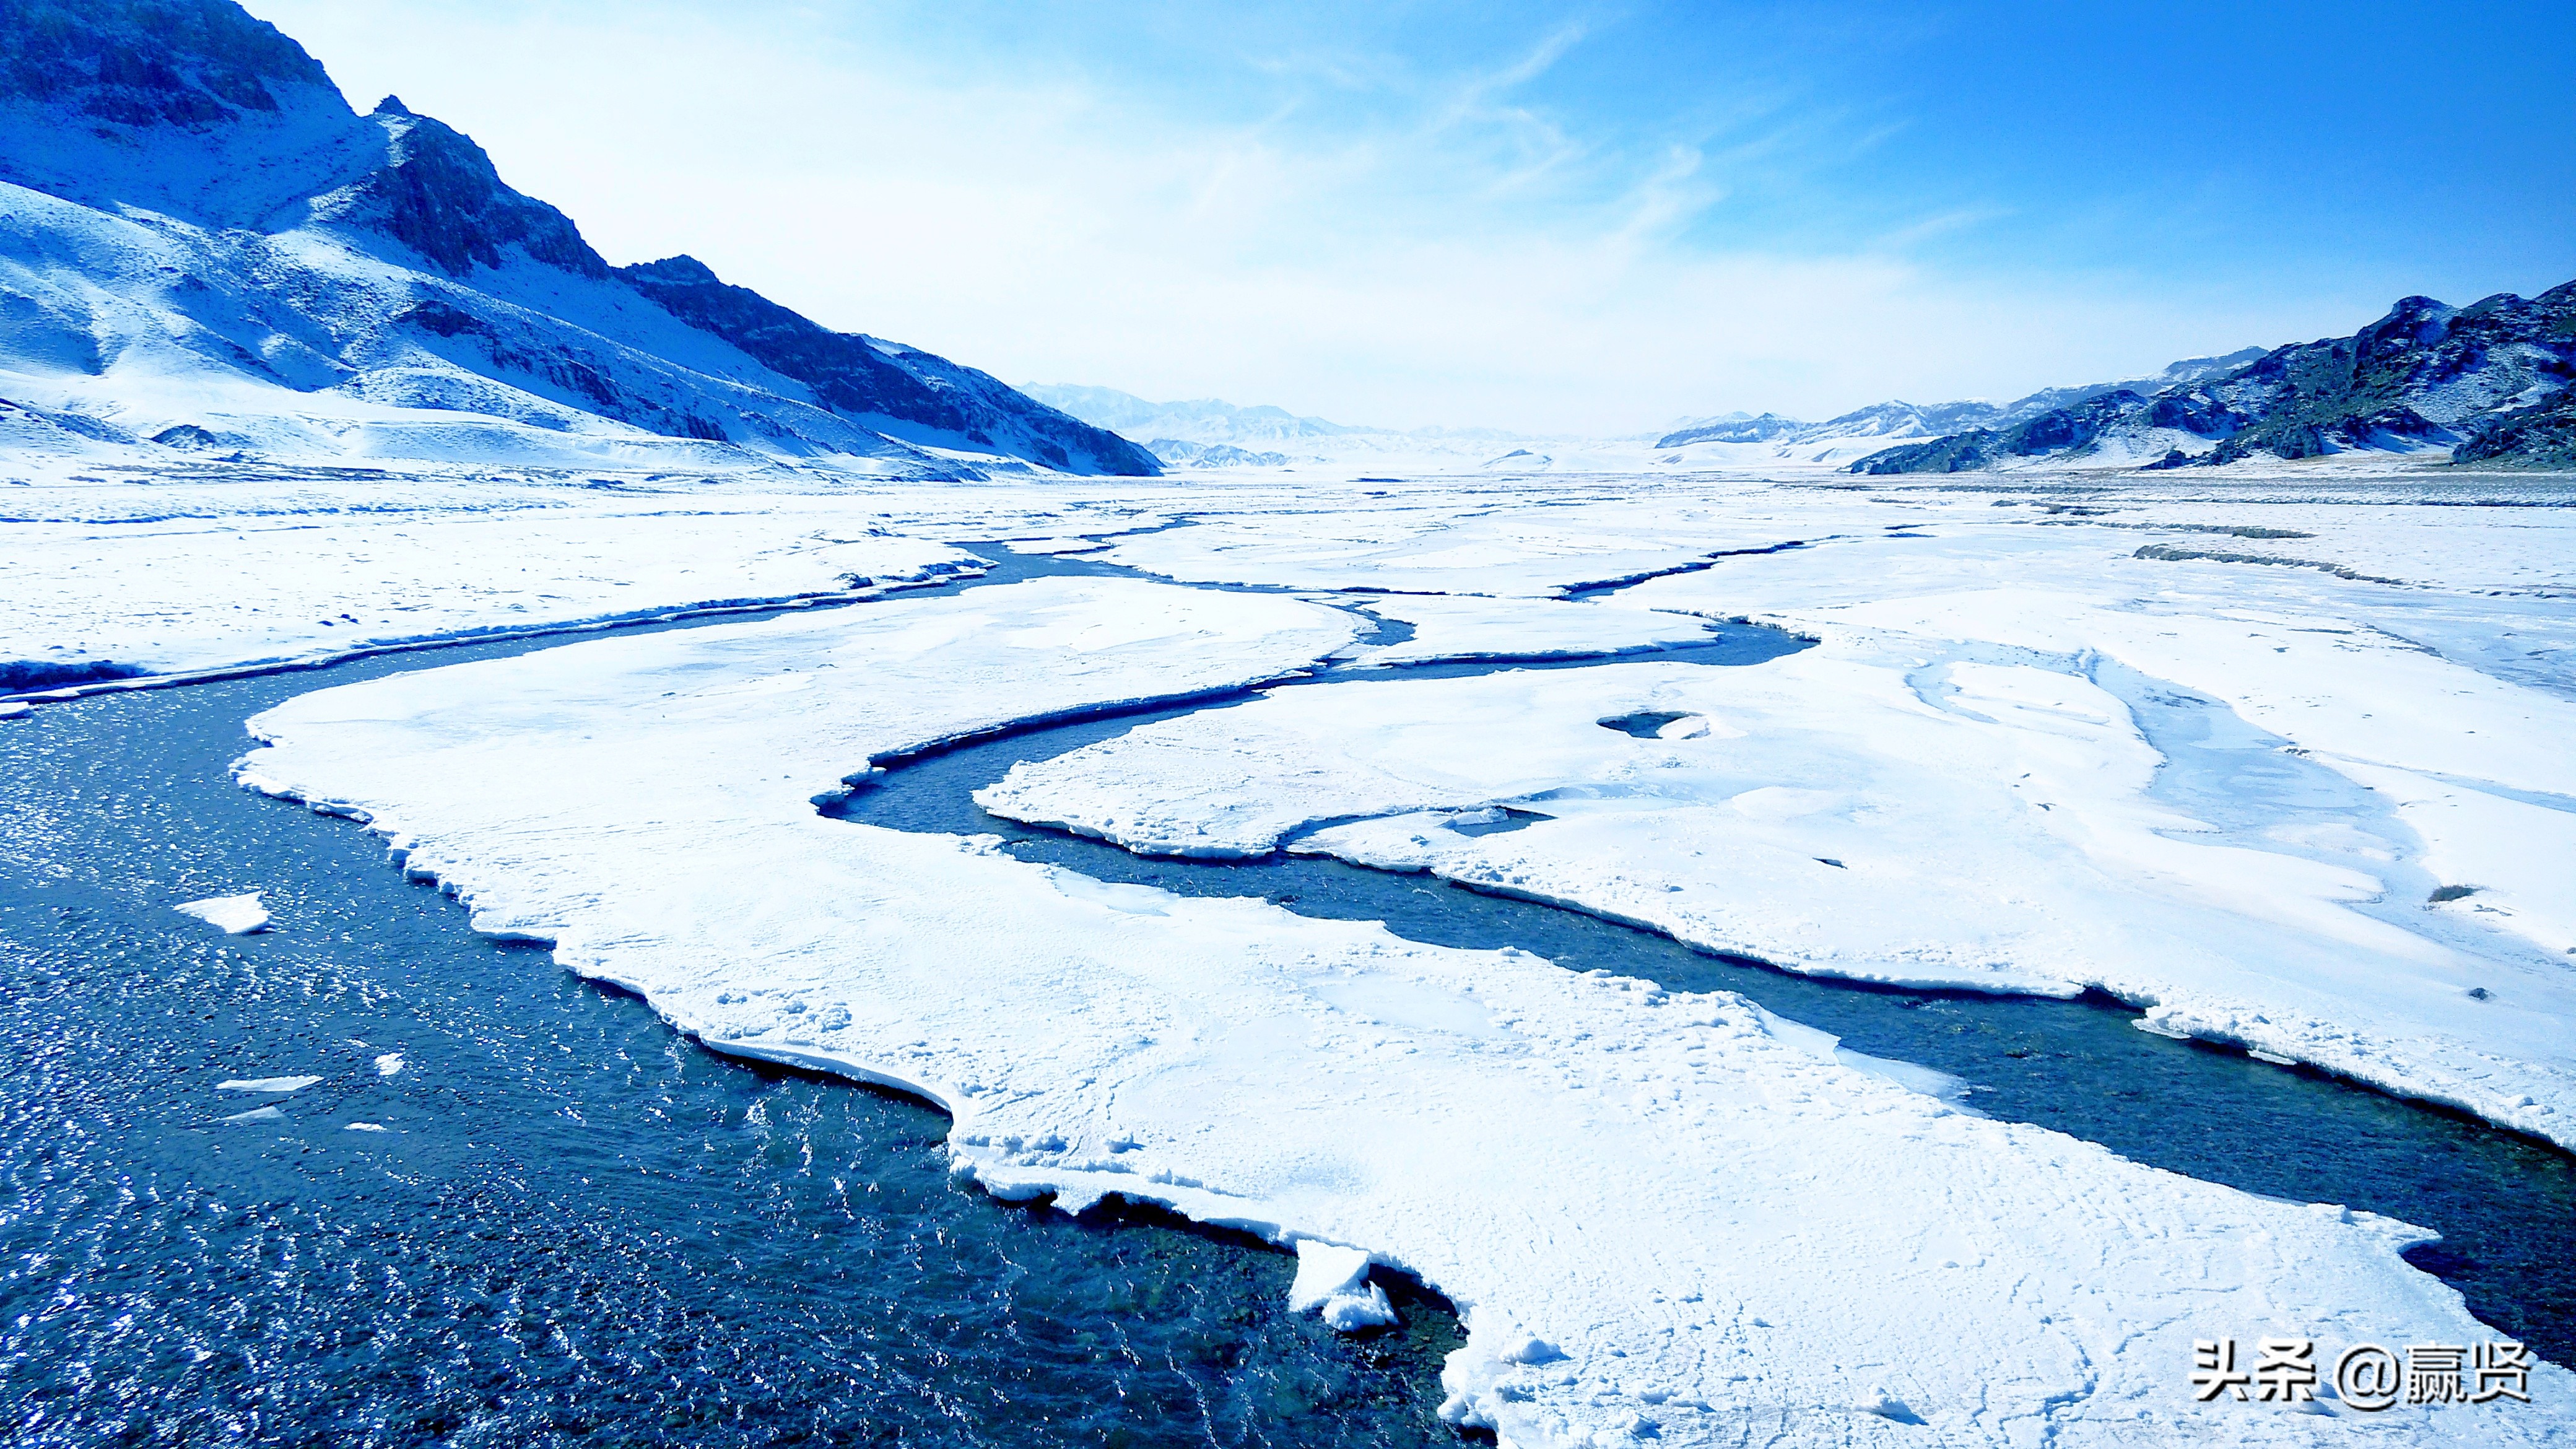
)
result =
(1701, 1222)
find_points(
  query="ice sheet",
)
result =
(1660, 1217)
(247, 579)
(2346, 764)
(1851, 813)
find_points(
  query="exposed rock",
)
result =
(2491, 378)
(438, 194)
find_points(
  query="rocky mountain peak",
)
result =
(675, 271)
(188, 63)
(188, 130)
(439, 194)
(2412, 320)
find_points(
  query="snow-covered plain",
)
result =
(2319, 806)
(2053, 733)
(1662, 1214)
(193, 568)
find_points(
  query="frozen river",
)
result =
(581, 1224)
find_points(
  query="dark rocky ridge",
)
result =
(2490, 380)
(439, 194)
(856, 376)
(148, 62)
(2540, 437)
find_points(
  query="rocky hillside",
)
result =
(202, 243)
(2488, 383)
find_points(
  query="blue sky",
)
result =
(1591, 218)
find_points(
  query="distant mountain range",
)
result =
(1212, 455)
(203, 246)
(1204, 420)
(1910, 420)
(2489, 382)
(1209, 433)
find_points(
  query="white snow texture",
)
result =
(1660, 1214)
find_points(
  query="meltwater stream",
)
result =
(580, 1227)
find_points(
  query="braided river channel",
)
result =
(583, 1228)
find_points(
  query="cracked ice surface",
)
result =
(1658, 1215)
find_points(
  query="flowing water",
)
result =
(590, 1230)
(2505, 1204)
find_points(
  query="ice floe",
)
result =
(233, 915)
(1333, 1282)
(1846, 813)
(279, 1085)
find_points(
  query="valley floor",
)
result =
(2278, 758)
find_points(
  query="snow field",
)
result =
(1661, 1214)
(1986, 827)
(171, 595)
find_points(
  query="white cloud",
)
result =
(1446, 256)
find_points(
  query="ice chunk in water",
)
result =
(1334, 1281)
(279, 1085)
(233, 915)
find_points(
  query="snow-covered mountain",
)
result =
(2487, 382)
(1212, 455)
(1897, 419)
(1202, 420)
(202, 245)
(1210, 433)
